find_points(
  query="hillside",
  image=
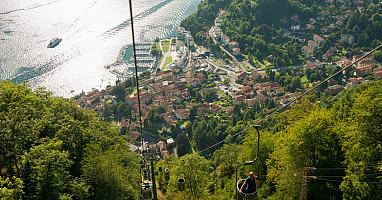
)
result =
(342, 142)
(52, 149)
(282, 27)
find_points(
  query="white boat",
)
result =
(54, 42)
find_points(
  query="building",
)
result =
(133, 136)
(218, 28)
(218, 22)
(295, 27)
(310, 27)
(225, 39)
(181, 33)
(236, 51)
(161, 145)
(318, 39)
(313, 45)
(363, 71)
(238, 99)
(347, 38)
(365, 61)
(233, 45)
(378, 74)
(335, 89)
(307, 52)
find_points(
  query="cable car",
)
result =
(145, 174)
(147, 190)
(167, 174)
(181, 181)
(239, 183)
(181, 184)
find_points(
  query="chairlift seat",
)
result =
(244, 195)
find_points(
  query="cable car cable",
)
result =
(328, 168)
(136, 69)
(297, 98)
(342, 176)
(339, 181)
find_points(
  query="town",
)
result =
(184, 82)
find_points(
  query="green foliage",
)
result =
(378, 56)
(46, 171)
(111, 174)
(155, 49)
(11, 188)
(194, 169)
(361, 114)
(46, 142)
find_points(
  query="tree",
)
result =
(11, 188)
(378, 56)
(119, 92)
(296, 83)
(112, 174)
(183, 145)
(360, 116)
(46, 171)
(309, 140)
(195, 170)
(193, 114)
(43, 140)
(363, 39)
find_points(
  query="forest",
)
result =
(52, 149)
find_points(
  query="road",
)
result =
(231, 74)
(211, 33)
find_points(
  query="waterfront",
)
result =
(93, 33)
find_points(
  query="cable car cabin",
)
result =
(145, 174)
(147, 190)
(245, 194)
(181, 184)
(167, 174)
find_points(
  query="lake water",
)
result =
(93, 32)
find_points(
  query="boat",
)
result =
(54, 42)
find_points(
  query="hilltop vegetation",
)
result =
(52, 149)
(343, 142)
(259, 25)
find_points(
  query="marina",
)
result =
(124, 65)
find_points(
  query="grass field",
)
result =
(167, 61)
(166, 46)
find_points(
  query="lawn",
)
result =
(166, 46)
(133, 93)
(221, 93)
(305, 82)
(167, 61)
(246, 67)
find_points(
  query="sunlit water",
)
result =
(93, 31)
